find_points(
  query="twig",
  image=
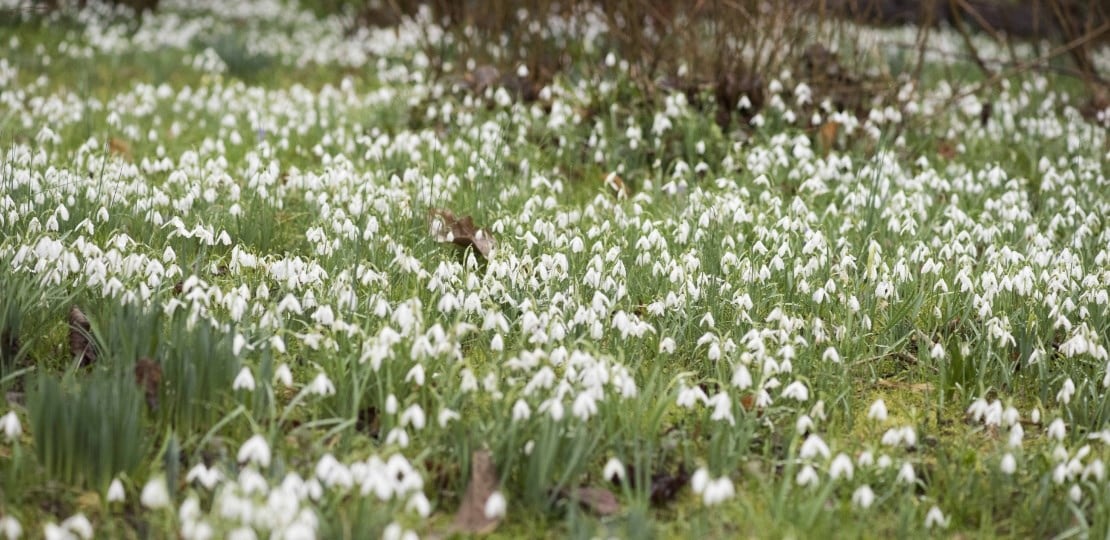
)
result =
(1063, 49)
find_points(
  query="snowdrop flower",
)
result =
(1057, 429)
(10, 528)
(935, 518)
(796, 390)
(79, 525)
(155, 494)
(807, 476)
(9, 424)
(207, 477)
(906, 474)
(613, 469)
(718, 491)
(814, 446)
(841, 467)
(419, 503)
(667, 346)
(446, 416)
(495, 506)
(878, 411)
(1067, 390)
(1075, 493)
(1008, 464)
(116, 492)
(244, 380)
(52, 531)
(284, 375)
(255, 450)
(700, 480)
(321, 385)
(863, 497)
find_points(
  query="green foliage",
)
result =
(87, 433)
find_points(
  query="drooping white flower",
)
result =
(9, 424)
(244, 380)
(495, 505)
(116, 492)
(1008, 464)
(255, 450)
(878, 411)
(321, 385)
(863, 497)
(935, 518)
(155, 495)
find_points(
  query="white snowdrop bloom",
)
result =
(718, 491)
(935, 518)
(391, 404)
(284, 375)
(1067, 390)
(741, 377)
(495, 505)
(807, 476)
(814, 446)
(238, 343)
(691, 396)
(446, 416)
(207, 477)
(155, 495)
(863, 497)
(830, 355)
(866, 459)
(116, 492)
(841, 466)
(878, 411)
(51, 531)
(1008, 464)
(797, 391)
(321, 385)
(804, 424)
(521, 411)
(1035, 416)
(414, 416)
(79, 526)
(613, 469)
(497, 343)
(1057, 430)
(242, 533)
(244, 380)
(10, 528)
(255, 450)
(1075, 493)
(699, 480)
(906, 474)
(9, 424)
(415, 375)
(419, 504)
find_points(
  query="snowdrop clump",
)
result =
(818, 322)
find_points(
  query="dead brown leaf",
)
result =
(483, 77)
(79, 332)
(446, 227)
(827, 135)
(900, 385)
(597, 500)
(616, 183)
(471, 517)
(120, 148)
(148, 375)
(946, 150)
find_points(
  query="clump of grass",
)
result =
(87, 433)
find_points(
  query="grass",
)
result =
(739, 313)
